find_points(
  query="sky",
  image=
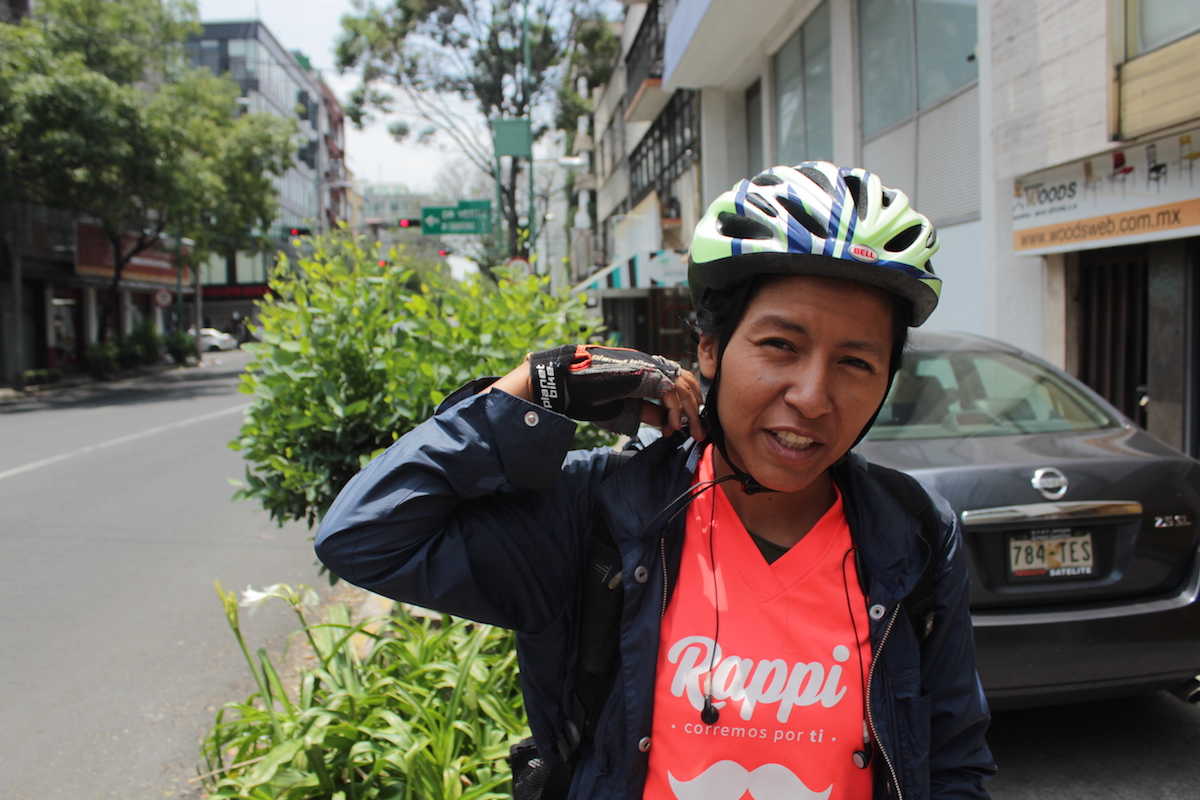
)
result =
(312, 26)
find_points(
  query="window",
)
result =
(912, 55)
(804, 92)
(945, 48)
(754, 130)
(954, 394)
(1153, 23)
(205, 53)
(242, 57)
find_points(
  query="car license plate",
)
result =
(1051, 553)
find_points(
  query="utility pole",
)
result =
(526, 46)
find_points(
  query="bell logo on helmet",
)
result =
(863, 253)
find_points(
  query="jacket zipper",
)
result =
(662, 552)
(871, 717)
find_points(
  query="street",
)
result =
(115, 519)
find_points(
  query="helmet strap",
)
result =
(712, 424)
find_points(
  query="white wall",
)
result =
(722, 141)
(964, 287)
(1049, 82)
(640, 232)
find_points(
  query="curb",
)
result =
(9, 395)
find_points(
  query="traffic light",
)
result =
(444, 252)
(383, 262)
(410, 222)
(298, 231)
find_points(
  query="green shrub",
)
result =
(355, 353)
(428, 712)
(37, 377)
(179, 346)
(147, 342)
(129, 355)
(101, 360)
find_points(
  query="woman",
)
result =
(762, 643)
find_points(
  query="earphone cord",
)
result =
(862, 681)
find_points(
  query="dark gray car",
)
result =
(1080, 527)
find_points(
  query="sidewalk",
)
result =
(11, 396)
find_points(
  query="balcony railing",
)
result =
(644, 61)
(666, 151)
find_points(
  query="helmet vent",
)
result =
(801, 215)
(761, 204)
(737, 226)
(766, 179)
(816, 176)
(904, 239)
(854, 184)
(929, 267)
(888, 196)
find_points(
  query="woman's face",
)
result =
(804, 371)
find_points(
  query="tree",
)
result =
(99, 115)
(412, 54)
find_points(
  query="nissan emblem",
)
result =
(1050, 482)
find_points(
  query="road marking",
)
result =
(45, 462)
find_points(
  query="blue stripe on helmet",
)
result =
(835, 213)
(849, 237)
(739, 199)
(739, 205)
(799, 239)
(907, 269)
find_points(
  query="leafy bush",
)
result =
(129, 354)
(148, 343)
(101, 360)
(179, 346)
(428, 712)
(354, 353)
(35, 377)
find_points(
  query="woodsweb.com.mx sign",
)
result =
(1138, 193)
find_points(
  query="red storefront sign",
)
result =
(93, 256)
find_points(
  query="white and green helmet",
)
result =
(817, 219)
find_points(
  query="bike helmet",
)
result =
(817, 219)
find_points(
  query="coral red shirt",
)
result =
(785, 676)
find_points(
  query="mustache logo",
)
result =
(729, 780)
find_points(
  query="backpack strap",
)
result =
(916, 501)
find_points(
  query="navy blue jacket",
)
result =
(481, 512)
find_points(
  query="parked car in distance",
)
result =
(1080, 528)
(212, 339)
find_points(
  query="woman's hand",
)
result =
(680, 408)
(611, 386)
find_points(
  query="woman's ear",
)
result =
(706, 354)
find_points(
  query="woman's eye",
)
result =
(858, 363)
(782, 344)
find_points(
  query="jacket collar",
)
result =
(635, 498)
(891, 550)
(636, 493)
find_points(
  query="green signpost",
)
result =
(469, 216)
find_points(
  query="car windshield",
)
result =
(952, 394)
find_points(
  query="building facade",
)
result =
(1053, 146)
(56, 276)
(312, 193)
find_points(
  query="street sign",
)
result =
(469, 216)
(512, 137)
(162, 298)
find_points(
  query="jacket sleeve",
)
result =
(959, 757)
(474, 512)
